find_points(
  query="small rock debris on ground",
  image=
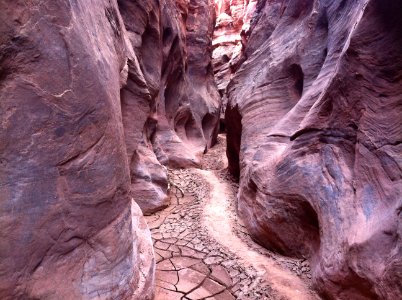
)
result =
(190, 263)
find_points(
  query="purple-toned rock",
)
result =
(233, 19)
(314, 129)
(139, 101)
(170, 103)
(189, 103)
(94, 96)
(69, 227)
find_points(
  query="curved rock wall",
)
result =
(189, 103)
(233, 19)
(319, 105)
(94, 95)
(69, 229)
(170, 104)
(139, 100)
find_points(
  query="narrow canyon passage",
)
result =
(204, 252)
(114, 180)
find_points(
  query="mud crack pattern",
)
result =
(192, 261)
(191, 264)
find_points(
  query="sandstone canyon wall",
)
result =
(314, 131)
(94, 95)
(233, 19)
(69, 229)
(170, 89)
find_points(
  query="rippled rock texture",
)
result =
(170, 104)
(189, 103)
(232, 26)
(89, 92)
(69, 228)
(314, 131)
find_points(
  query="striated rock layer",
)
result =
(170, 104)
(138, 102)
(94, 96)
(189, 103)
(232, 25)
(314, 131)
(69, 228)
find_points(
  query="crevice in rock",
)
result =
(234, 132)
(296, 73)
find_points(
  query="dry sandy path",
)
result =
(218, 218)
(203, 252)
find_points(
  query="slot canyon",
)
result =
(201, 149)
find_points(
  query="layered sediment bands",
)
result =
(319, 98)
(189, 103)
(203, 94)
(69, 228)
(170, 103)
(94, 96)
(233, 19)
(139, 99)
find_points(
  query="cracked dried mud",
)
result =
(204, 252)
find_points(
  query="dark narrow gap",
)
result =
(233, 139)
(296, 73)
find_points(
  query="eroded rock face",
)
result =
(232, 26)
(189, 103)
(170, 104)
(69, 228)
(319, 105)
(92, 94)
(139, 99)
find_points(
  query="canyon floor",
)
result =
(204, 252)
